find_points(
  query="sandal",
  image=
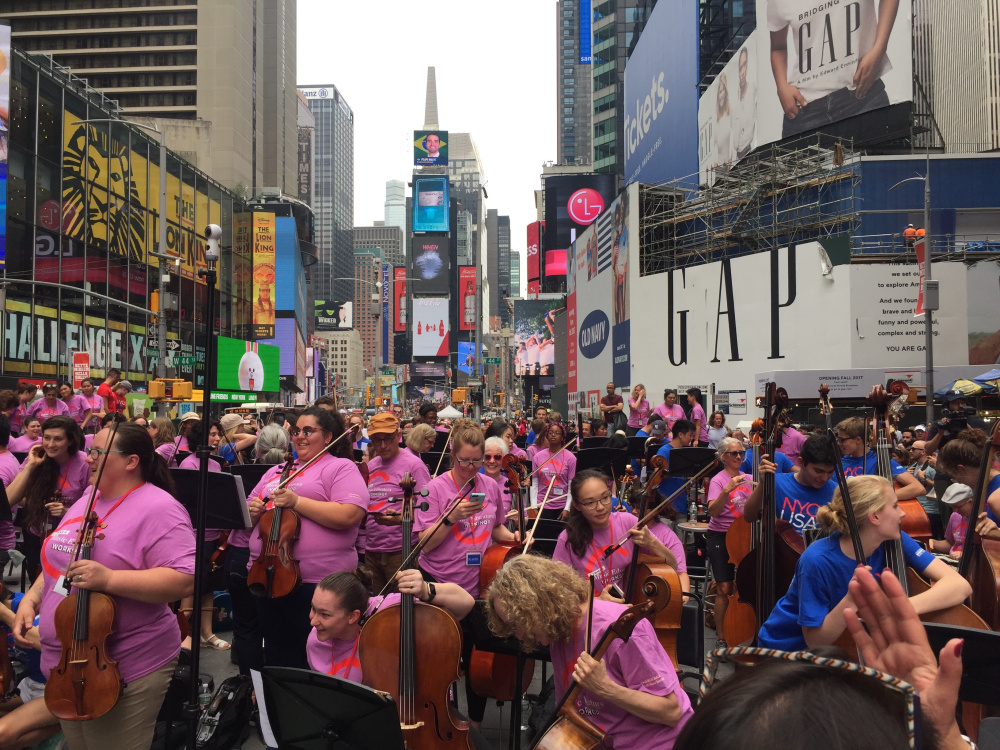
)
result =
(215, 642)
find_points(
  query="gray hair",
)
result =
(497, 444)
(272, 444)
(725, 445)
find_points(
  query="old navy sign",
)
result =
(594, 333)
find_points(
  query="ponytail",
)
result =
(868, 495)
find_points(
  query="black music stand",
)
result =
(312, 711)
(686, 462)
(251, 474)
(227, 501)
(432, 459)
(652, 446)
(593, 441)
(611, 460)
(637, 446)
(440, 442)
(980, 663)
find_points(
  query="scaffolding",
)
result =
(786, 193)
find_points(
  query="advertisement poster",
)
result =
(430, 205)
(81, 368)
(467, 298)
(399, 294)
(534, 337)
(386, 268)
(430, 327)
(247, 366)
(430, 148)
(429, 273)
(333, 315)
(263, 275)
(4, 133)
(572, 203)
(535, 232)
(467, 357)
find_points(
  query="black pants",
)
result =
(284, 623)
(32, 547)
(831, 108)
(247, 639)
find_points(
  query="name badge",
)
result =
(62, 587)
(473, 558)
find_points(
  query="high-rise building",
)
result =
(333, 178)
(574, 82)
(217, 75)
(367, 273)
(503, 268)
(307, 144)
(515, 273)
(388, 239)
(395, 204)
(344, 354)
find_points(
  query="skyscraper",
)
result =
(219, 74)
(333, 180)
(503, 267)
(388, 239)
(574, 82)
(395, 204)
(368, 272)
(515, 273)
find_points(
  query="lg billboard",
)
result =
(572, 203)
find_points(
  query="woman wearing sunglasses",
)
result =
(496, 449)
(331, 499)
(860, 460)
(812, 612)
(454, 552)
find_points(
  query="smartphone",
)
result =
(478, 498)
(615, 591)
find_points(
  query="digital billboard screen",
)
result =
(430, 203)
(247, 366)
(467, 298)
(333, 315)
(430, 327)
(4, 134)
(467, 357)
(428, 369)
(572, 203)
(429, 274)
(430, 148)
(399, 295)
(534, 337)
(264, 274)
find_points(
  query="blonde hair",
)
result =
(869, 494)
(539, 596)
(416, 437)
(165, 432)
(853, 426)
(466, 432)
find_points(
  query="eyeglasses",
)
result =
(734, 453)
(382, 439)
(306, 431)
(98, 452)
(467, 462)
(843, 439)
(753, 656)
(494, 456)
(605, 499)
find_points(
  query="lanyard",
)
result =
(101, 521)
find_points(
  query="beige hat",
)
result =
(190, 416)
(231, 422)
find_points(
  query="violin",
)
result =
(625, 488)
(275, 573)
(569, 728)
(494, 675)
(218, 558)
(415, 638)
(85, 683)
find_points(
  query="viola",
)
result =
(409, 639)
(275, 573)
(85, 683)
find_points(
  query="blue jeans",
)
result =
(839, 105)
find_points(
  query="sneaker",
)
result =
(720, 644)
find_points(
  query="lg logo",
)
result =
(584, 206)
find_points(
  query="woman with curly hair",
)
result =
(632, 693)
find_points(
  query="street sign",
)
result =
(173, 345)
(184, 361)
(491, 360)
(151, 351)
(152, 341)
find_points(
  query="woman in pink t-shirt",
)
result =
(341, 601)
(32, 436)
(52, 477)
(555, 469)
(632, 693)
(25, 393)
(79, 407)
(591, 528)
(49, 405)
(143, 560)
(96, 403)
(331, 499)
(638, 407)
(161, 429)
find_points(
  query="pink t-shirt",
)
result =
(791, 444)
(320, 550)
(383, 486)
(613, 569)
(167, 451)
(148, 529)
(669, 416)
(17, 418)
(517, 451)
(74, 477)
(9, 467)
(637, 417)
(78, 406)
(698, 415)
(458, 557)
(340, 658)
(96, 404)
(193, 462)
(958, 528)
(23, 444)
(640, 663)
(672, 542)
(733, 508)
(561, 469)
(43, 410)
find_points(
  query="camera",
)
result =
(213, 233)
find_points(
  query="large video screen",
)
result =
(430, 327)
(572, 203)
(534, 337)
(247, 366)
(430, 148)
(332, 315)
(430, 203)
(429, 269)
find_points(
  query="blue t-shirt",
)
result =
(868, 464)
(992, 487)
(783, 462)
(29, 657)
(670, 485)
(820, 582)
(530, 439)
(798, 504)
(226, 452)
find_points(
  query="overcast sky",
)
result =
(495, 64)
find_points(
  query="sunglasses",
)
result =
(493, 456)
(306, 431)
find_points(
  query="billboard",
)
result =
(534, 337)
(386, 269)
(288, 338)
(430, 148)
(429, 273)
(305, 165)
(572, 203)
(807, 67)
(264, 240)
(467, 298)
(535, 231)
(428, 369)
(4, 135)
(467, 357)
(333, 315)
(399, 295)
(430, 327)
(661, 96)
(585, 41)
(247, 366)
(430, 203)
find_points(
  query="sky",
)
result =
(496, 79)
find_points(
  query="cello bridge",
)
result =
(404, 727)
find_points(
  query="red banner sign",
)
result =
(535, 230)
(399, 284)
(81, 369)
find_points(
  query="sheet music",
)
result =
(265, 722)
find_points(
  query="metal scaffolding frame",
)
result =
(791, 192)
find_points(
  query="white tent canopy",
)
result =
(449, 412)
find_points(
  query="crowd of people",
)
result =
(347, 493)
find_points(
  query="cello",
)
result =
(825, 407)
(411, 651)
(85, 683)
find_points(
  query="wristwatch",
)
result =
(431, 593)
(447, 521)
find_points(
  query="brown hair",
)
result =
(351, 587)
(465, 432)
(853, 426)
(415, 438)
(165, 432)
(869, 493)
(966, 449)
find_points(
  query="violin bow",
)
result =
(845, 495)
(531, 534)
(350, 431)
(447, 444)
(571, 442)
(590, 611)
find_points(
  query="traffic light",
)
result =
(458, 395)
(170, 390)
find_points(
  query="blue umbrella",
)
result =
(965, 386)
(988, 378)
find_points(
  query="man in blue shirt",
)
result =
(683, 435)
(540, 413)
(799, 496)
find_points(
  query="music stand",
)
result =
(686, 462)
(251, 474)
(613, 460)
(652, 446)
(980, 665)
(440, 442)
(593, 441)
(227, 502)
(431, 460)
(637, 446)
(312, 711)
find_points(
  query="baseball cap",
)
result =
(953, 395)
(383, 423)
(956, 494)
(659, 427)
(231, 421)
(190, 416)
(124, 384)
(920, 428)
